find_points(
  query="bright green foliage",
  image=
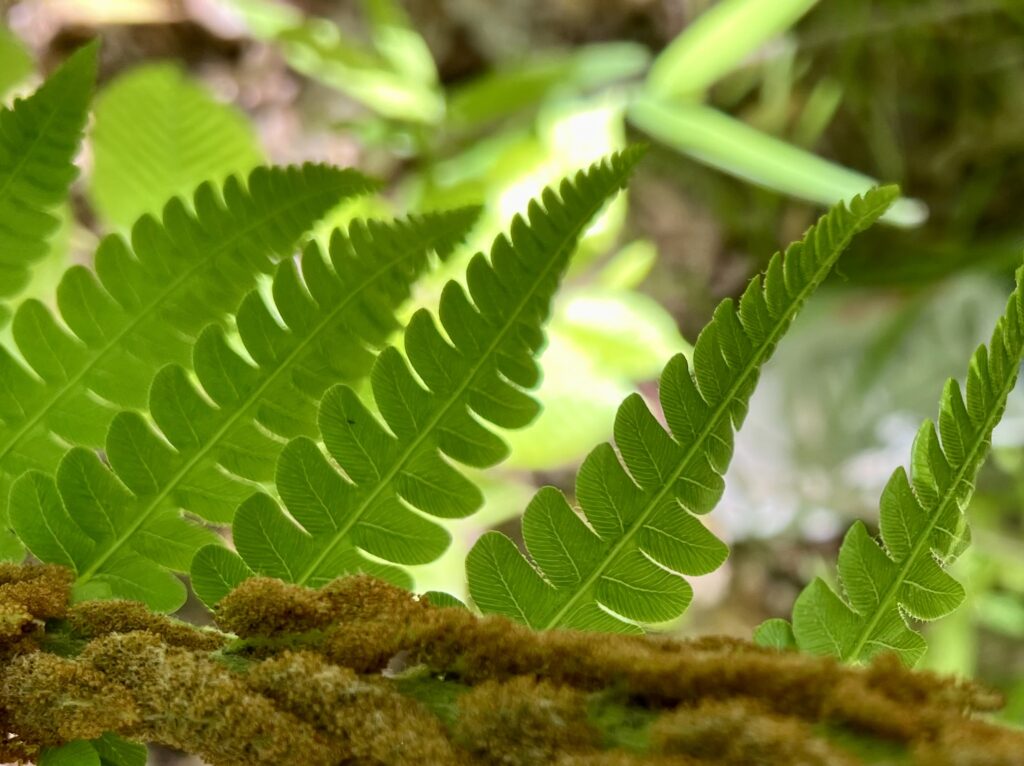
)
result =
(495, 333)
(717, 41)
(922, 521)
(39, 139)
(144, 306)
(735, 147)
(395, 76)
(108, 750)
(640, 534)
(157, 135)
(214, 443)
(333, 315)
(15, 61)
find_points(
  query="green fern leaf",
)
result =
(214, 443)
(624, 563)
(480, 376)
(157, 135)
(146, 308)
(39, 138)
(922, 519)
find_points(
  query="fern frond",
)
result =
(480, 376)
(922, 520)
(621, 562)
(156, 135)
(39, 138)
(146, 307)
(210, 444)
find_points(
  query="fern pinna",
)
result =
(495, 333)
(212, 444)
(39, 138)
(156, 133)
(622, 562)
(144, 305)
(923, 527)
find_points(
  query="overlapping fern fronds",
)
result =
(923, 526)
(39, 138)
(622, 561)
(144, 306)
(398, 472)
(212, 443)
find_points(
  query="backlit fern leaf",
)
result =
(212, 443)
(621, 561)
(39, 138)
(396, 474)
(156, 134)
(144, 306)
(922, 519)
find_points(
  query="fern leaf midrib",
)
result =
(250, 401)
(721, 408)
(386, 480)
(73, 383)
(978, 446)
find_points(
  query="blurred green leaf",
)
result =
(624, 333)
(578, 409)
(15, 61)
(77, 753)
(159, 134)
(317, 48)
(717, 41)
(734, 147)
(515, 88)
(114, 751)
(630, 266)
(397, 41)
(601, 343)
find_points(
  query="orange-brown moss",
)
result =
(372, 722)
(49, 700)
(618, 758)
(740, 733)
(971, 743)
(524, 722)
(92, 619)
(197, 705)
(262, 606)
(30, 595)
(521, 697)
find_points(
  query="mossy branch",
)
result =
(362, 672)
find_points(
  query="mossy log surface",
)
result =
(360, 672)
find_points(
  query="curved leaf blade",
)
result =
(144, 307)
(39, 138)
(156, 135)
(399, 471)
(204, 435)
(622, 560)
(923, 526)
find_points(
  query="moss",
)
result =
(524, 722)
(92, 619)
(739, 732)
(361, 672)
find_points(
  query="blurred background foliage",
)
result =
(757, 113)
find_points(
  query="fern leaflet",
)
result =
(146, 308)
(39, 138)
(209, 448)
(156, 135)
(479, 376)
(922, 519)
(621, 562)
